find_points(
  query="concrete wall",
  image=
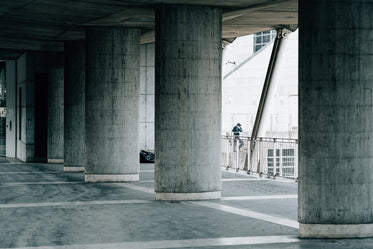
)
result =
(74, 106)
(32, 111)
(11, 90)
(55, 108)
(25, 107)
(147, 97)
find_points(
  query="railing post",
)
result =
(248, 157)
(274, 159)
(259, 160)
(227, 154)
(296, 160)
(237, 153)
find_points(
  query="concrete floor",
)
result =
(43, 208)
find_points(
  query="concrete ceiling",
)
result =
(43, 25)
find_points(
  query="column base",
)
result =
(73, 169)
(187, 196)
(55, 160)
(111, 178)
(330, 231)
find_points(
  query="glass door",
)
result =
(2, 109)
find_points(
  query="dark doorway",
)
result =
(41, 117)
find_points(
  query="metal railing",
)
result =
(269, 156)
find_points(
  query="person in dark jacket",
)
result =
(236, 132)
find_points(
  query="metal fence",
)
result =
(265, 156)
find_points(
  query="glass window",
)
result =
(270, 162)
(270, 153)
(288, 161)
(288, 171)
(287, 152)
(263, 38)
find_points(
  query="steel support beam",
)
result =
(263, 108)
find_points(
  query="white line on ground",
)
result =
(225, 208)
(264, 197)
(147, 170)
(227, 180)
(228, 241)
(73, 203)
(248, 213)
(7, 184)
(241, 179)
(256, 176)
(28, 172)
(136, 187)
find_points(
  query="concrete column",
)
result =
(335, 119)
(187, 102)
(112, 104)
(26, 107)
(74, 107)
(11, 124)
(55, 108)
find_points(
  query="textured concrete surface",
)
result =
(43, 207)
(187, 99)
(335, 121)
(112, 101)
(74, 105)
(25, 107)
(32, 80)
(54, 22)
(55, 107)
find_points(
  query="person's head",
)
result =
(238, 124)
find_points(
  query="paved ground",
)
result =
(43, 208)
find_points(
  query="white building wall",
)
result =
(147, 81)
(241, 91)
(242, 87)
(236, 52)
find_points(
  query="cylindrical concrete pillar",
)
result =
(335, 119)
(187, 102)
(112, 104)
(74, 107)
